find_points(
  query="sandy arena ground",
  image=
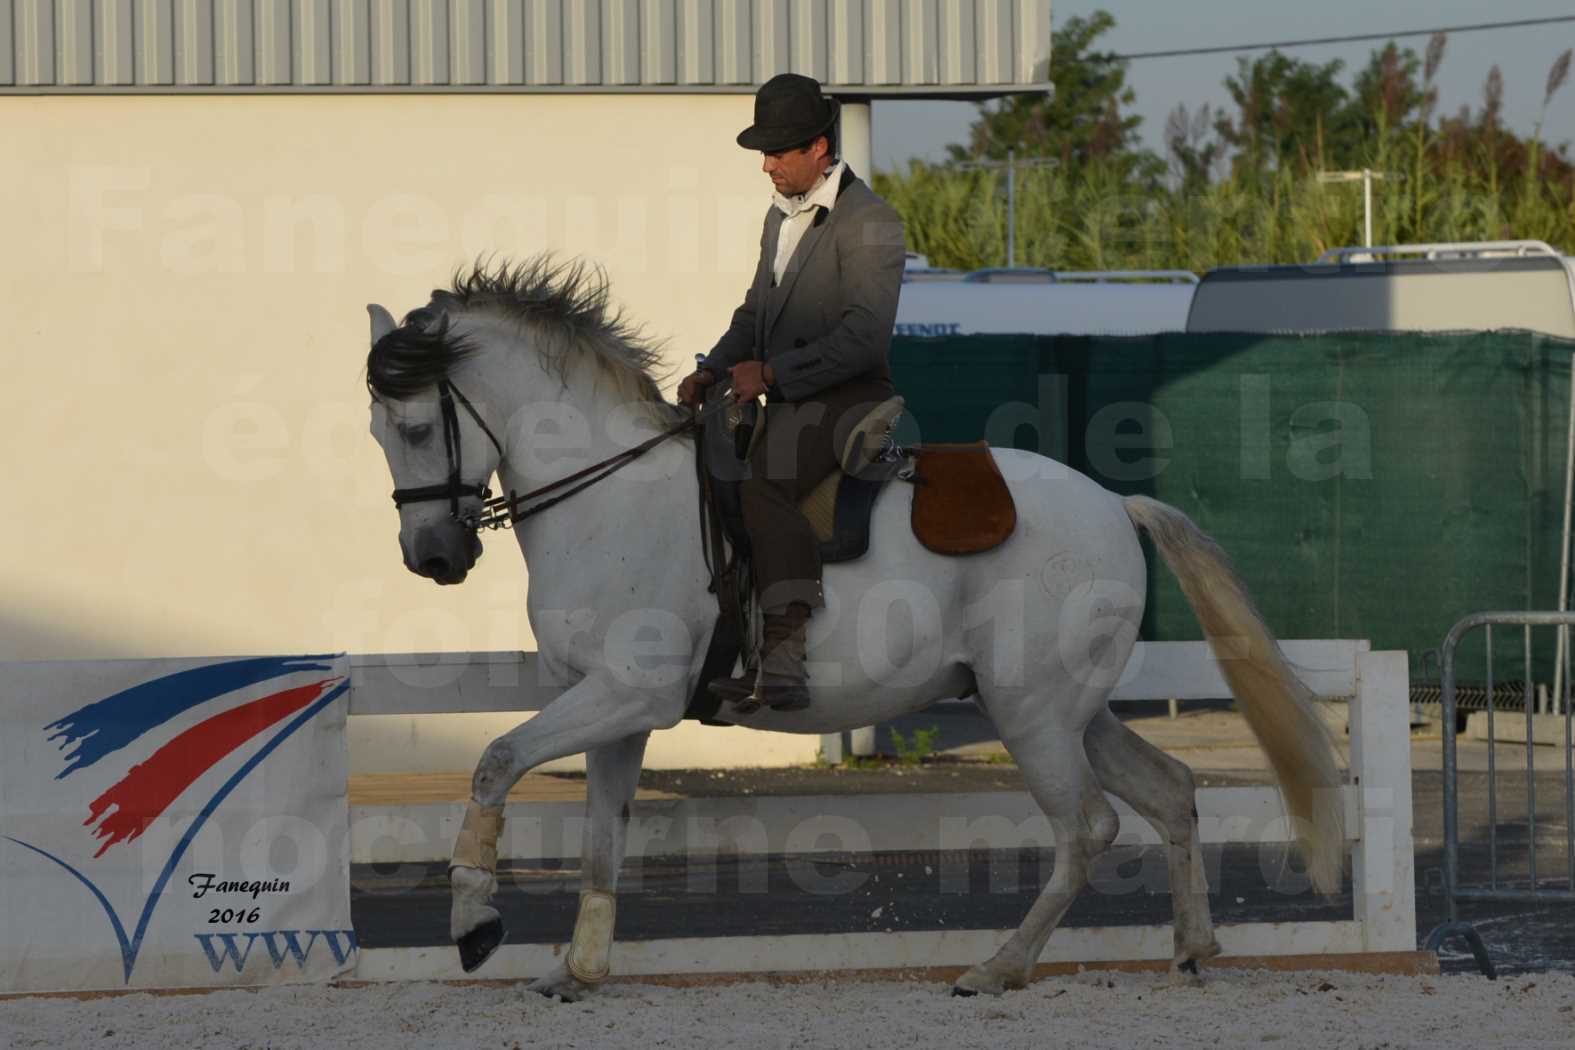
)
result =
(1324, 1011)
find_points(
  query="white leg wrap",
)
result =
(476, 846)
(590, 953)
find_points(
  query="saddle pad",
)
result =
(839, 511)
(961, 504)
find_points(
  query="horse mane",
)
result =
(565, 305)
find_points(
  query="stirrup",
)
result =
(734, 690)
(749, 703)
(798, 701)
(742, 703)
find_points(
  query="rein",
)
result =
(503, 512)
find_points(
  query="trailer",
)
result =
(1446, 287)
(942, 302)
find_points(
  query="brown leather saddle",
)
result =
(961, 505)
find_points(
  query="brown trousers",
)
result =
(802, 442)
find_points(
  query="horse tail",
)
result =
(1279, 709)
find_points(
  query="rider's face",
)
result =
(794, 171)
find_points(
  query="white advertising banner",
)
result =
(174, 823)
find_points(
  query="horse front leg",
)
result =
(611, 775)
(593, 714)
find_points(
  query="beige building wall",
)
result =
(183, 282)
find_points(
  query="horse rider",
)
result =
(812, 336)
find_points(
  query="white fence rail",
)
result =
(1378, 803)
(473, 682)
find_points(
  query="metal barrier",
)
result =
(1496, 890)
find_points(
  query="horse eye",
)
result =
(419, 434)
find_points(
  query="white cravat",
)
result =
(799, 212)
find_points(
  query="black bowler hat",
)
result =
(789, 111)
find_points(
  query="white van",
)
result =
(1476, 286)
(1045, 302)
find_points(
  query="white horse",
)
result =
(548, 380)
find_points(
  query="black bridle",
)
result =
(502, 512)
(455, 488)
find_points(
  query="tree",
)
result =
(1386, 95)
(1193, 154)
(1290, 114)
(1479, 142)
(1082, 122)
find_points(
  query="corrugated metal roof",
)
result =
(937, 48)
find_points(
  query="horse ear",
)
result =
(382, 321)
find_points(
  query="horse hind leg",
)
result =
(1161, 789)
(1061, 781)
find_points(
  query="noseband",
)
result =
(455, 488)
(502, 512)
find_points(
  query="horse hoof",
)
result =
(560, 985)
(1186, 970)
(477, 946)
(981, 980)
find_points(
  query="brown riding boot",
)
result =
(781, 684)
(751, 689)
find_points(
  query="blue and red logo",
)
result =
(127, 808)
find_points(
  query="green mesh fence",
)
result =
(1373, 485)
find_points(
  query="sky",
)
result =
(903, 130)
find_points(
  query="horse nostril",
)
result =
(435, 567)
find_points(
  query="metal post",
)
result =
(1367, 206)
(1487, 633)
(1531, 772)
(1010, 164)
(1452, 926)
(1564, 549)
(1365, 177)
(1011, 207)
(1495, 890)
(1446, 677)
(1569, 781)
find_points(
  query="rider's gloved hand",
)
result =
(692, 388)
